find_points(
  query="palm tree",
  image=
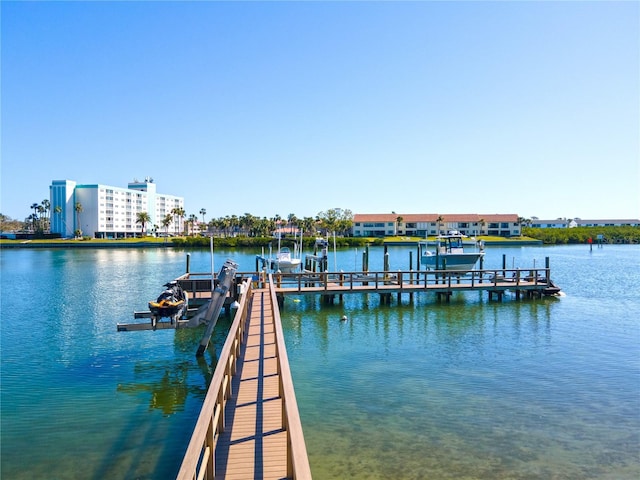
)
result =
(483, 222)
(248, 222)
(166, 221)
(203, 212)
(399, 220)
(142, 218)
(309, 225)
(174, 214)
(178, 213)
(439, 220)
(34, 216)
(41, 211)
(46, 205)
(192, 221)
(78, 208)
(181, 215)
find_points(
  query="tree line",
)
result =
(560, 236)
(333, 220)
(336, 220)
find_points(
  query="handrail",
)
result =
(297, 282)
(199, 458)
(297, 459)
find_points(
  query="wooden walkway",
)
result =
(254, 443)
(249, 426)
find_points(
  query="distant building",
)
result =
(557, 223)
(607, 223)
(424, 224)
(286, 231)
(111, 212)
(578, 222)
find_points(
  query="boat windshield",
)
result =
(455, 242)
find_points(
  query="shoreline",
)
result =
(153, 244)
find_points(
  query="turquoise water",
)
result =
(546, 388)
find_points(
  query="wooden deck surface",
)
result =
(253, 444)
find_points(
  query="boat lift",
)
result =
(207, 313)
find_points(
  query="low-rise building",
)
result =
(556, 223)
(578, 222)
(424, 224)
(103, 211)
(607, 223)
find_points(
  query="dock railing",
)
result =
(297, 459)
(314, 282)
(198, 462)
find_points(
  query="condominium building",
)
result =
(578, 222)
(423, 224)
(103, 211)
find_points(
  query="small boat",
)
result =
(284, 261)
(171, 303)
(450, 254)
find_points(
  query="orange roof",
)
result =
(433, 217)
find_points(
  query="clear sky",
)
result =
(273, 108)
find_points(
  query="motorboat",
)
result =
(450, 253)
(284, 260)
(171, 303)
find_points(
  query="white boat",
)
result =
(450, 254)
(284, 261)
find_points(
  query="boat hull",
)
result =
(168, 309)
(285, 266)
(459, 262)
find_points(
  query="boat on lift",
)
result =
(284, 260)
(450, 253)
(171, 303)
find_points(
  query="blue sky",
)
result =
(273, 108)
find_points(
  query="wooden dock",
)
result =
(249, 426)
(528, 283)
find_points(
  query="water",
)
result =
(545, 388)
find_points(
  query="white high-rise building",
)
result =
(102, 211)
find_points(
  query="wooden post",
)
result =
(386, 263)
(411, 275)
(366, 266)
(444, 267)
(547, 270)
(188, 261)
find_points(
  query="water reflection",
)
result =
(168, 384)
